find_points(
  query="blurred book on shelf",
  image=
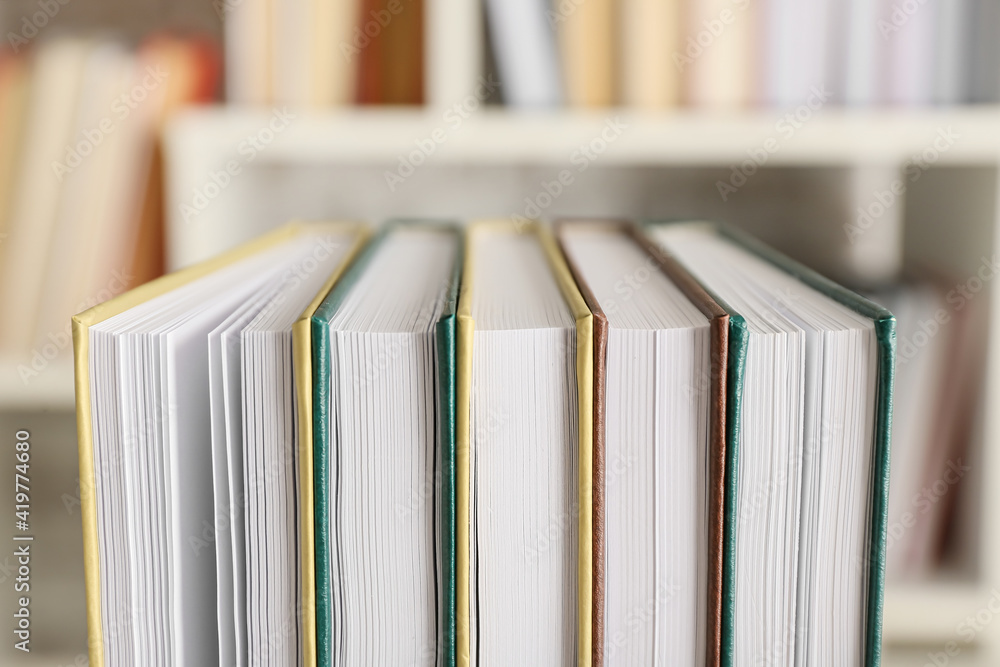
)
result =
(324, 53)
(940, 346)
(80, 178)
(649, 54)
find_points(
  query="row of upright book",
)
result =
(739, 53)
(324, 53)
(492, 444)
(650, 54)
(81, 214)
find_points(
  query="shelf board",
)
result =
(682, 138)
(929, 612)
(51, 388)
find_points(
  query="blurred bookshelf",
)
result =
(795, 175)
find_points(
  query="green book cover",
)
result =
(445, 345)
(885, 332)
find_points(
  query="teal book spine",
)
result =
(326, 487)
(445, 332)
(885, 332)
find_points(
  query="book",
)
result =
(102, 242)
(588, 51)
(47, 141)
(524, 47)
(859, 57)
(333, 61)
(983, 52)
(402, 44)
(938, 374)
(809, 396)
(619, 445)
(524, 417)
(650, 41)
(913, 51)
(718, 56)
(383, 416)
(660, 360)
(249, 42)
(951, 57)
(13, 96)
(796, 43)
(189, 445)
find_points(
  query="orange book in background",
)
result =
(200, 59)
(369, 58)
(391, 52)
(403, 56)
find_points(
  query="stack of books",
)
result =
(490, 444)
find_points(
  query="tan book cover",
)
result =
(650, 41)
(587, 41)
(56, 73)
(13, 100)
(85, 424)
(334, 54)
(717, 53)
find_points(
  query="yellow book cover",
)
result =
(584, 375)
(587, 40)
(85, 427)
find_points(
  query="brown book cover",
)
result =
(719, 327)
(391, 60)
(369, 79)
(403, 55)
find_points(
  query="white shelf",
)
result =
(930, 612)
(829, 137)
